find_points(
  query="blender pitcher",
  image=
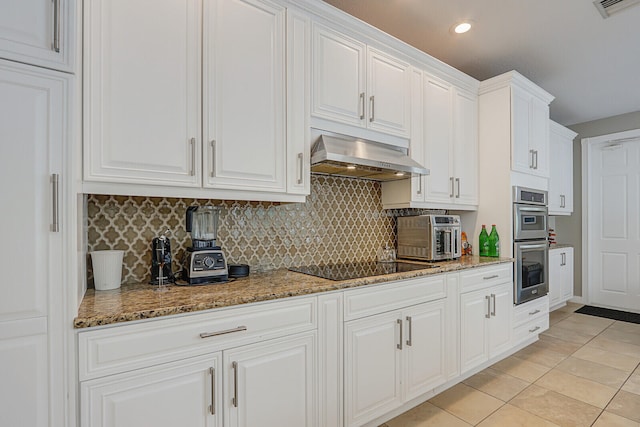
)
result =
(202, 223)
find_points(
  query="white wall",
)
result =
(569, 228)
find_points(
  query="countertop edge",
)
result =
(319, 286)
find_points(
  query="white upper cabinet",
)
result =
(561, 169)
(245, 86)
(358, 85)
(38, 32)
(142, 92)
(444, 138)
(216, 107)
(530, 133)
(465, 147)
(438, 141)
(338, 77)
(389, 85)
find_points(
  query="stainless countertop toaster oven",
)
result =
(429, 237)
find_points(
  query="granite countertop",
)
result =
(560, 246)
(143, 301)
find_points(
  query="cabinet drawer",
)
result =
(478, 278)
(531, 310)
(373, 300)
(530, 329)
(127, 347)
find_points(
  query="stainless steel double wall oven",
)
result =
(530, 247)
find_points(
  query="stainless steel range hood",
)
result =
(340, 155)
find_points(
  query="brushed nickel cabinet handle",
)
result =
(419, 185)
(562, 201)
(410, 331)
(56, 26)
(300, 167)
(493, 300)
(488, 315)
(534, 329)
(531, 313)
(192, 143)
(226, 331)
(212, 407)
(535, 152)
(373, 108)
(458, 185)
(490, 277)
(234, 399)
(531, 159)
(451, 181)
(213, 158)
(55, 202)
(399, 345)
(362, 106)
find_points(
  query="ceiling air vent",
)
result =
(609, 7)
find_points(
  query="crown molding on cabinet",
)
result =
(329, 15)
(514, 77)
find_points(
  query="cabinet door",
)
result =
(24, 371)
(555, 277)
(424, 353)
(185, 393)
(372, 367)
(33, 113)
(560, 170)
(338, 79)
(474, 312)
(142, 97)
(567, 276)
(37, 32)
(438, 140)
(556, 174)
(271, 384)
(298, 93)
(522, 157)
(465, 148)
(539, 139)
(416, 149)
(244, 74)
(389, 94)
(500, 325)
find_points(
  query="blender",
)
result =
(204, 262)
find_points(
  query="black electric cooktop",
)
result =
(356, 270)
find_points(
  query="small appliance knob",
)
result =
(208, 262)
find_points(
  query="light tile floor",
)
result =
(584, 371)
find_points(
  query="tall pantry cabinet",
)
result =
(33, 114)
(36, 38)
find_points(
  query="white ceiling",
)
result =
(590, 64)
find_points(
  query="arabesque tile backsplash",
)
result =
(341, 221)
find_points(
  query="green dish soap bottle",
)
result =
(483, 242)
(494, 242)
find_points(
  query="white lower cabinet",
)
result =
(485, 324)
(270, 384)
(255, 365)
(530, 319)
(560, 276)
(177, 394)
(391, 358)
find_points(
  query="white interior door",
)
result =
(613, 246)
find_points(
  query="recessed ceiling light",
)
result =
(462, 27)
